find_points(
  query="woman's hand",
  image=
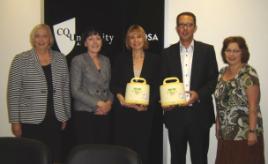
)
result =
(103, 107)
(252, 138)
(16, 129)
(107, 106)
(63, 125)
(122, 101)
(253, 96)
(139, 108)
(217, 129)
(99, 110)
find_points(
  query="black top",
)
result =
(50, 103)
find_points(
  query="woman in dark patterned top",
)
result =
(239, 127)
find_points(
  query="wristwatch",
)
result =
(252, 130)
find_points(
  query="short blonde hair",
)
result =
(41, 26)
(137, 29)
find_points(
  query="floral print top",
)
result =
(232, 104)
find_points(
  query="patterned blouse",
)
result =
(232, 104)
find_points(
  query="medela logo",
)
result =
(65, 35)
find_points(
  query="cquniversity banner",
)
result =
(70, 18)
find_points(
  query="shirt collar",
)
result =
(191, 47)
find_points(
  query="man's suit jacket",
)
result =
(88, 84)
(27, 88)
(203, 81)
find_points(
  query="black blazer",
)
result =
(203, 80)
(122, 73)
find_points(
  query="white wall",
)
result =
(217, 20)
(17, 19)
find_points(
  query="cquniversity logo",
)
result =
(65, 35)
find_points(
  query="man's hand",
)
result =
(193, 98)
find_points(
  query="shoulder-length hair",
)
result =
(138, 29)
(41, 26)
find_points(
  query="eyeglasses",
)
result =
(228, 51)
(187, 25)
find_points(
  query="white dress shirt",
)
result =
(186, 55)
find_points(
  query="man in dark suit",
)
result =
(194, 63)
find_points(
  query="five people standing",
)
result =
(39, 96)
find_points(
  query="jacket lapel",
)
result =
(37, 65)
(176, 61)
(195, 64)
(130, 65)
(144, 69)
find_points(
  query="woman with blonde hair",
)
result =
(133, 122)
(38, 92)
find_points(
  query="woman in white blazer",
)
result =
(92, 98)
(39, 92)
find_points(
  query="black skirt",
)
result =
(48, 132)
(91, 128)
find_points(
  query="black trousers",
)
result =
(133, 129)
(49, 132)
(186, 129)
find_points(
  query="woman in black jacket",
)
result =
(133, 123)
